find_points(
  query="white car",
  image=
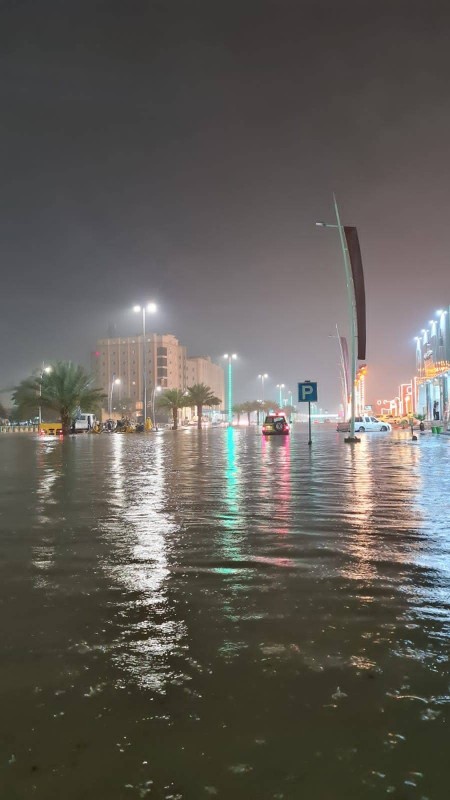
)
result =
(365, 423)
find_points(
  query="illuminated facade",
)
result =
(400, 406)
(360, 389)
(431, 384)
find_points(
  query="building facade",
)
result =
(431, 382)
(200, 369)
(122, 360)
(118, 366)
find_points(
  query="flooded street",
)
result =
(200, 614)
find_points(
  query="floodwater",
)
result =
(208, 614)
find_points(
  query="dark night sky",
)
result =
(183, 150)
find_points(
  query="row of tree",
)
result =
(196, 396)
(258, 406)
(64, 389)
(68, 388)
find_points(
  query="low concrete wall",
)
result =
(19, 429)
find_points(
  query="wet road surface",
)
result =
(209, 614)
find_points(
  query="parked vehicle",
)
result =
(364, 423)
(50, 429)
(84, 422)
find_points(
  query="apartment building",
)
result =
(123, 358)
(200, 369)
(167, 365)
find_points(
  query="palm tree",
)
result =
(269, 405)
(63, 389)
(200, 395)
(247, 408)
(238, 409)
(257, 405)
(172, 400)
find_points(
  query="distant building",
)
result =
(432, 380)
(166, 363)
(122, 358)
(200, 369)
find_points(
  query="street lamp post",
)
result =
(43, 371)
(115, 381)
(230, 358)
(280, 386)
(151, 308)
(262, 378)
(351, 312)
(155, 389)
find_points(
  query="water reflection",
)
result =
(359, 546)
(432, 503)
(231, 517)
(139, 532)
(215, 604)
(49, 471)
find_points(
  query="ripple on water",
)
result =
(214, 614)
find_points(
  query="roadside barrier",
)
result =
(19, 428)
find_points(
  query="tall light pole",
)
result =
(155, 389)
(262, 378)
(351, 313)
(280, 386)
(115, 381)
(151, 308)
(44, 370)
(230, 358)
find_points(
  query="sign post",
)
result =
(307, 393)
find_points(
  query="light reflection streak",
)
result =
(283, 486)
(141, 530)
(432, 501)
(49, 460)
(276, 482)
(231, 518)
(361, 494)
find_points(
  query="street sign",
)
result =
(307, 392)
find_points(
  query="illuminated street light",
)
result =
(230, 358)
(351, 312)
(44, 371)
(280, 386)
(262, 378)
(151, 308)
(115, 382)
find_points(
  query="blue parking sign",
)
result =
(307, 392)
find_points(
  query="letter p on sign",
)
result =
(307, 392)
